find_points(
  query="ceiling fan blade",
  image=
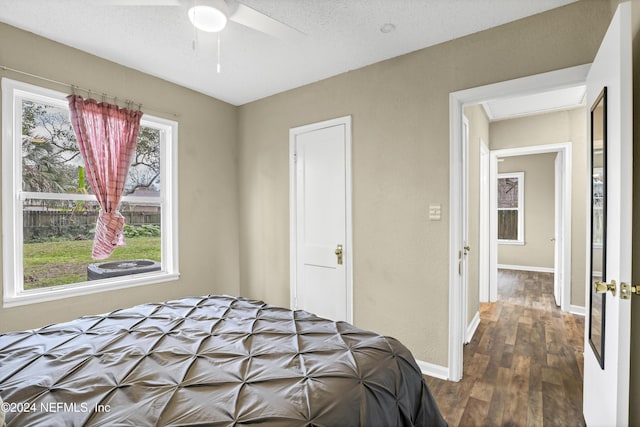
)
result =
(135, 2)
(251, 18)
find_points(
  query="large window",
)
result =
(49, 211)
(511, 208)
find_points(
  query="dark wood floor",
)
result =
(524, 365)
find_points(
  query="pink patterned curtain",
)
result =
(107, 138)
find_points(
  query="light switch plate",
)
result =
(435, 212)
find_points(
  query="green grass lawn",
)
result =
(64, 262)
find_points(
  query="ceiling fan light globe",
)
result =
(209, 18)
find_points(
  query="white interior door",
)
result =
(606, 390)
(321, 249)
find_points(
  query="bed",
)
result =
(211, 360)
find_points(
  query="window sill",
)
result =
(34, 296)
(511, 242)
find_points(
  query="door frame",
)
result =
(463, 258)
(484, 242)
(457, 100)
(560, 256)
(563, 224)
(348, 244)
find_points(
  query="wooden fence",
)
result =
(43, 225)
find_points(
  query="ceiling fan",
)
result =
(213, 15)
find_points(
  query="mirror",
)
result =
(598, 222)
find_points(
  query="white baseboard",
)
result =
(526, 268)
(471, 329)
(433, 370)
(577, 309)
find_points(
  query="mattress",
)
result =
(212, 360)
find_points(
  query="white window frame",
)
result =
(520, 177)
(14, 293)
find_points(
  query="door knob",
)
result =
(339, 254)
(602, 288)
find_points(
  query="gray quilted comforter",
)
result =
(214, 360)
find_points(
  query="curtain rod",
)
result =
(89, 91)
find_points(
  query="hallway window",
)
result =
(511, 208)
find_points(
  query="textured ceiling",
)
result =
(340, 35)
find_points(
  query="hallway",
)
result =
(523, 366)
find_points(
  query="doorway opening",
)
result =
(560, 198)
(546, 82)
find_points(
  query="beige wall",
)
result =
(400, 111)
(478, 129)
(539, 214)
(208, 214)
(551, 128)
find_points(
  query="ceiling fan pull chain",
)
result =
(194, 42)
(218, 66)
